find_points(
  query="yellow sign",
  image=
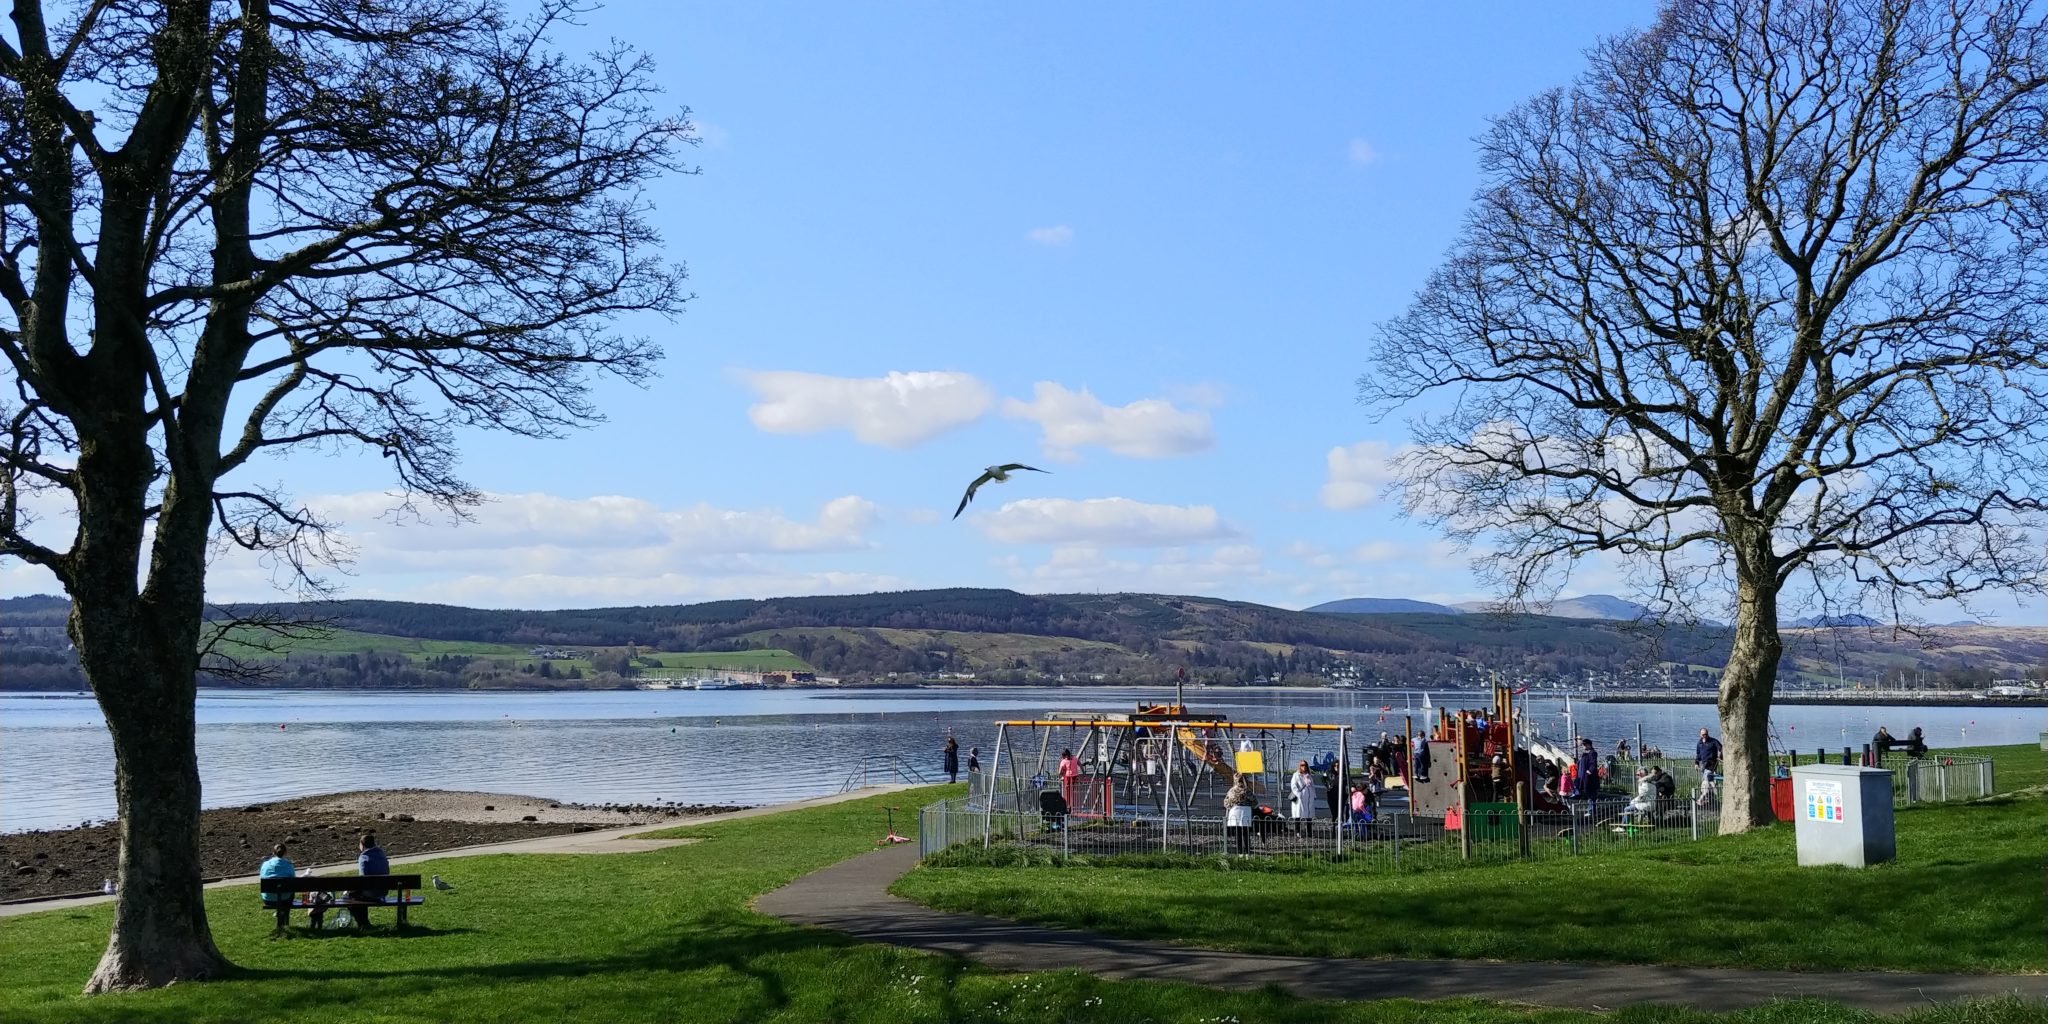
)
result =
(1250, 762)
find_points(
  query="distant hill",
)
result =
(1382, 606)
(1590, 606)
(1839, 622)
(1001, 636)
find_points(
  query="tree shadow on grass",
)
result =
(735, 940)
(410, 931)
(1820, 919)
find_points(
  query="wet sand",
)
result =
(319, 830)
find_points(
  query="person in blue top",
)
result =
(1706, 755)
(278, 867)
(371, 861)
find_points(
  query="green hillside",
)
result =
(1001, 636)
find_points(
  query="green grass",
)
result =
(249, 644)
(668, 936)
(1964, 895)
(773, 660)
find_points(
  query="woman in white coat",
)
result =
(1301, 787)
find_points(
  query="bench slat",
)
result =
(388, 901)
(337, 883)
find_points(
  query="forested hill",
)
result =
(1006, 637)
(1140, 623)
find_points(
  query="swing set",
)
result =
(1160, 762)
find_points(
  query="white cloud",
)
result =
(1432, 554)
(542, 590)
(1358, 473)
(1056, 235)
(711, 135)
(1222, 569)
(1110, 522)
(1311, 554)
(1149, 428)
(899, 410)
(1361, 152)
(546, 550)
(508, 524)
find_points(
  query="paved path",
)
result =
(852, 896)
(610, 840)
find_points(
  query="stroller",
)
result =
(1053, 808)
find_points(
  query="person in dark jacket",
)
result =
(1589, 773)
(952, 759)
(371, 861)
(1706, 756)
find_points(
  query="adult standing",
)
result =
(1237, 815)
(1589, 773)
(1301, 786)
(1706, 755)
(952, 755)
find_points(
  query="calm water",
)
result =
(744, 747)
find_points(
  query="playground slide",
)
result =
(1208, 752)
(1546, 749)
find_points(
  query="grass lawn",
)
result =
(667, 936)
(774, 660)
(250, 644)
(1965, 894)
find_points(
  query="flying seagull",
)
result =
(997, 474)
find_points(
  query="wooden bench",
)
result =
(300, 888)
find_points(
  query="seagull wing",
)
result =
(971, 488)
(1014, 466)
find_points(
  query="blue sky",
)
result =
(1140, 245)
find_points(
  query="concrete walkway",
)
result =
(852, 896)
(610, 840)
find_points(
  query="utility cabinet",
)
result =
(1843, 815)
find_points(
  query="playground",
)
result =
(1458, 785)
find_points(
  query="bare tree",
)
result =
(235, 229)
(1756, 307)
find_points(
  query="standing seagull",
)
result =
(995, 473)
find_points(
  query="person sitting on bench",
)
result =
(278, 867)
(1916, 745)
(1667, 785)
(371, 861)
(1645, 801)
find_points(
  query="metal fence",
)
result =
(969, 830)
(1938, 780)
(882, 770)
(1935, 778)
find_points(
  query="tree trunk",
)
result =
(1746, 686)
(140, 653)
(160, 930)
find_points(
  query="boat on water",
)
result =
(659, 684)
(719, 684)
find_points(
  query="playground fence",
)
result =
(1936, 778)
(1393, 840)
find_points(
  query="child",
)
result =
(1362, 804)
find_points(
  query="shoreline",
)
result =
(616, 839)
(1851, 700)
(322, 829)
